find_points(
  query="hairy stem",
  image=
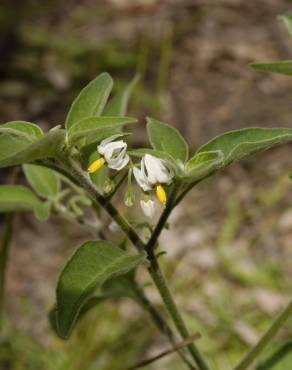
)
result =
(4, 254)
(265, 339)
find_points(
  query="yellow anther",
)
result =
(161, 194)
(96, 165)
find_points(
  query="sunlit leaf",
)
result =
(91, 100)
(236, 145)
(203, 164)
(167, 139)
(89, 268)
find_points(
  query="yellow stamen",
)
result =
(161, 194)
(96, 165)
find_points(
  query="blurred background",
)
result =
(229, 254)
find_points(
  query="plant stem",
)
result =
(173, 311)
(154, 269)
(4, 254)
(159, 321)
(265, 339)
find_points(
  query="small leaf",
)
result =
(44, 181)
(203, 164)
(167, 139)
(43, 210)
(239, 144)
(119, 104)
(18, 151)
(283, 67)
(91, 100)
(15, 198)
(88, 269)
(92, 128)
(277, 357)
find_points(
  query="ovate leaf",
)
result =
(16, 198)
(44, 181)
(91, 100)
(93, 264)
(283, 67)
(167, 139)
(239, 144)
(202, 165)
(14, 151)
(90, 129)
(119, 104)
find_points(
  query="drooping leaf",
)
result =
(236, 145)
(91, 100)
(43, 210)
(16, 198)
(14, 151)
(89, 268)
(44, 181)
(277, 357)
(119, 104)
(282, 67)
(203, 164)
(167, 139)
(90, 129)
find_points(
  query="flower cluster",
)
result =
(152, 174)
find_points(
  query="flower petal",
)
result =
(141, 179)
(157, 170)
(148, 207)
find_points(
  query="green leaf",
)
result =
(119, 104)
(14, 151)
(167, 139)
(26, 130)
(203, 164)
(43, 210)
(91, 100)
(44, 181)
(89, 268)
(16, 198)
(92, 128)
(287, 20)
(277, 357)
(120, 287)
(283, 67)
(236, 145)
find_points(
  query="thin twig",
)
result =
(177, 347)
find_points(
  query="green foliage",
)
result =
(91, 100)
(16, 198)
(283, 67)
(203, 164)
(88, 269)
(167, 139)
(92, 129)
(287, 20)
(44, 181)
(17, 149)
(236, 145)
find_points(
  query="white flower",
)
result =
(154, 172)
(113, 153)
(148, 207)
